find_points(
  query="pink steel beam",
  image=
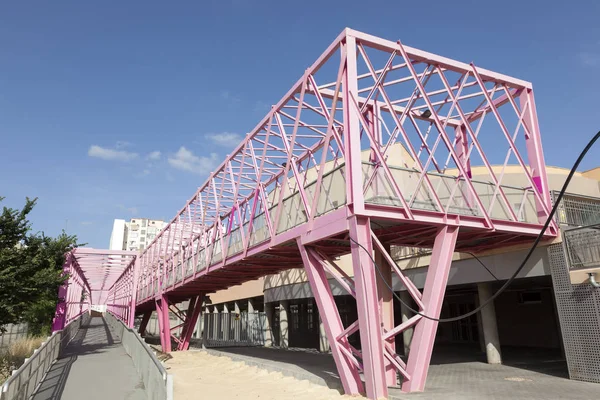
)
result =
(328, 310)
(433, 296)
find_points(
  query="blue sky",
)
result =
(115, 109)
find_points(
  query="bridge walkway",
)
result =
(94, 366)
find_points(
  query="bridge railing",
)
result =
(24, 381)
(158, 384)
(453, 197)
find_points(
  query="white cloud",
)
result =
(225, 139)
(111, 154)
(154, 156)
(185, 160)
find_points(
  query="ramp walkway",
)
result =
(93, 366)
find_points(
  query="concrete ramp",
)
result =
(94, 366)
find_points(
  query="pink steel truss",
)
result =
(375, 145)
(93, 275)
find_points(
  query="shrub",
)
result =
(15, 354)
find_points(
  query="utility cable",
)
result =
(527, 257)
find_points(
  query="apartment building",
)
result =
(135, 234)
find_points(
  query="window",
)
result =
(144, 223)
(530, 297)
(141, 247)
(143, 232)
(133, 235)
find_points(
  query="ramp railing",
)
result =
(24, 381)
(158, 384)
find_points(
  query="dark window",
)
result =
(530, 297)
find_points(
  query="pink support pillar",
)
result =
(133, 294)
(433, 296)
(535, 154)
(334, 328)
(193, 312)
(144, 322)
(164, 323)
(367, 303)
(60, 315)
(386, 305)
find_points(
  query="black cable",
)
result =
(480, 262)
(527, 257)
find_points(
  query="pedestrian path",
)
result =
(94, 366)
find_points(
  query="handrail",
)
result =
(49, 351)
(165, 391)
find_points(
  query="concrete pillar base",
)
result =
(489, 325)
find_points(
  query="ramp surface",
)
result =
(93, 366)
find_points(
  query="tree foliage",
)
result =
(30, 269)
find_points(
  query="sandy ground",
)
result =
(197, 374)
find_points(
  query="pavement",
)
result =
(94, 366)
(455, 373)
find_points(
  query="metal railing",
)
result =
(23, 382)
(158, 384)
(583, 247)
(231, 329)
(576, 210)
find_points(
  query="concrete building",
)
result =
(537, 315)
(134, 235)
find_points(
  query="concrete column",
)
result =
(406, 314)
(269, 309)
(323, 342)
(284, 334)
(479, 326)
(236, 322)
(250, 306)
(490, 327)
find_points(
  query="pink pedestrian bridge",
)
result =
(374, 146)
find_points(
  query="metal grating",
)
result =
(577, 210)
(579, 314)
(583, 247)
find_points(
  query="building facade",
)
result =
(135, 234)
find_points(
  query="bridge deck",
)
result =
(93, 366)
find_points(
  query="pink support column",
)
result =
(433, 296)
(133, 294)
(60, 315)
(194, 311)
(334, 328)
(159, 316)
(535, 154)
(144, 323)
(164, 323)
(367, 303)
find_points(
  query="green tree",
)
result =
(30, 270)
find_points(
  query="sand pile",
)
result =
(197, 374)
